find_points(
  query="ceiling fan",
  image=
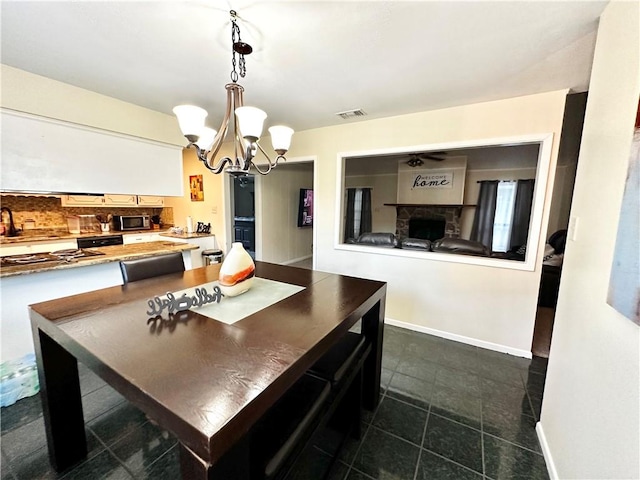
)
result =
(417, 159)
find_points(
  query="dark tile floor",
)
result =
(449, 411)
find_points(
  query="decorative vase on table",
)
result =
(237, 271)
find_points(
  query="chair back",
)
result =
(141, 268)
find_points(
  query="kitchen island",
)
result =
(23, 285)
(110, 254)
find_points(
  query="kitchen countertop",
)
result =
(113, 253)
(51, 234)
(185, 235)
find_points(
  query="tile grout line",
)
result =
(364, 435)
(484, 468)
(424, 434)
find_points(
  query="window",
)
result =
(498, 161)
(503, 220)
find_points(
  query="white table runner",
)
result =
(229, 310)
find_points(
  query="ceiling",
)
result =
(311, 59)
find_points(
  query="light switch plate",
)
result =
(573, 228)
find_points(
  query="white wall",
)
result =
(278, 237)
(26, 92)
(211, 210)
(426, 293)
(384, 190)
(591, 408)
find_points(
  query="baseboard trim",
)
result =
(546, 452)
(460, 338)
(296, 260)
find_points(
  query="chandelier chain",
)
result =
(235, 38)
(245, 122)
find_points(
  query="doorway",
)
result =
(243, 213)
(569, 148)
(262, 212)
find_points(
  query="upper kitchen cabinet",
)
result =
(150, 201)
(40, 154)
(82, 200)
(120, 201)
(109, 200)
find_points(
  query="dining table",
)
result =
(202, 366)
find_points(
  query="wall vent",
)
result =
(351, 113)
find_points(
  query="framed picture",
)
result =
(305, 208)
(196, 188)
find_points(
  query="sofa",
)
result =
(443, 245)
(377, 239)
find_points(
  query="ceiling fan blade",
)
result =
(431, 157)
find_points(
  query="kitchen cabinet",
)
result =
(150, 201)
(112, 200)
(82, 200)
(129, 238)
(38, 247)
(67, 166)
(120, 201)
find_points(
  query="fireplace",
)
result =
(427, 228)
(429, 221)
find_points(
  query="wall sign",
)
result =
(432, 180)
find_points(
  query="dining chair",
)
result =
(141, 268)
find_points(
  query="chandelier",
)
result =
(246, 122)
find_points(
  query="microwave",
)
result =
(131, 222)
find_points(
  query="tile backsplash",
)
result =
(48, 212)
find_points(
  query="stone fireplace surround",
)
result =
(450, 214)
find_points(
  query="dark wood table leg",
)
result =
(61, 402)
(235, 464)
(373, 329)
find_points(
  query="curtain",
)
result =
(522, 213)
(349, 220)
(482, 230)
(365, 216)
(359, 218)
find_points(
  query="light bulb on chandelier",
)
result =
(247, 123)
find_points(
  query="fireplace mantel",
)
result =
(428, 205)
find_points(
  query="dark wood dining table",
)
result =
(205, 381)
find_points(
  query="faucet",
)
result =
(11, 230)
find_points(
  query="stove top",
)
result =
(57, 256)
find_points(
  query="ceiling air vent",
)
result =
(351, 113)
